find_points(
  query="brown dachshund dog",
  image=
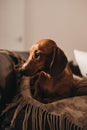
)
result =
(48, 65)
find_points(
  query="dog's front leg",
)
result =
(39, 85)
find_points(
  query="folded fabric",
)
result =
(26, 113)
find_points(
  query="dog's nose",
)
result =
(23, 70)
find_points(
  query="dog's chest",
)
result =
(47, 84)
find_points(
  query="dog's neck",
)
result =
(58, 75)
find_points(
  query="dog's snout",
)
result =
(23, 70)
(24, 66)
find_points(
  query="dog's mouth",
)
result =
(28, 72)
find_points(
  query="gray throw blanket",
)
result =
(65, 114)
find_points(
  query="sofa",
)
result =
(19, 111)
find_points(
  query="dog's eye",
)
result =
(37, 55)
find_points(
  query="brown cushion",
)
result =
(8, 76)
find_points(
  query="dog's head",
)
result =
(46, 56)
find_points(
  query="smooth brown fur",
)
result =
(49, 65)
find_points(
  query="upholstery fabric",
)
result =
(8, 74)
(7, 78)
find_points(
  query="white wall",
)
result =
(24, 22)
(12, 24)
(64, 21)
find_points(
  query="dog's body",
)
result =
(49, 65)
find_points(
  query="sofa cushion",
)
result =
(8, 76)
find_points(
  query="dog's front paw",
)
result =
(45, 75)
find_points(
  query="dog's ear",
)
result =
(53, 56)
(58, 62)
